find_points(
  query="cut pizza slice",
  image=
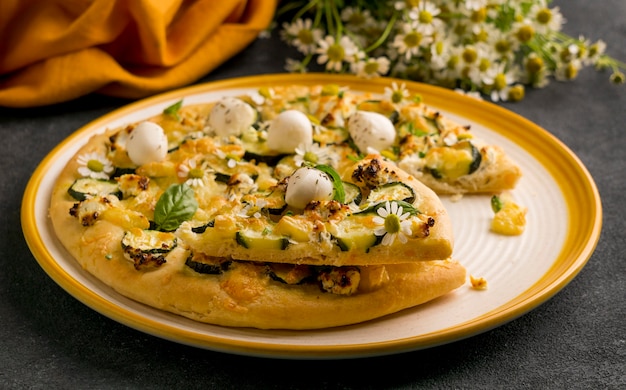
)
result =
(440, 152)
(374, 213)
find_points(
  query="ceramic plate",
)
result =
(563, 227)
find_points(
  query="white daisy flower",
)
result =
(313, 154)
(410, 41)
(372, 67)
(397, 93)
(95, 165)
(302, 35)
(393, 222)
(193, 173)
(333, 53)
(425, 16)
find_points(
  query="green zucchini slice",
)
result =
(254, 240)
(392, 191)
(86, 187)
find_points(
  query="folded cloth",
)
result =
(56, 50)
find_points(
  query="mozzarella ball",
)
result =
(289, 129)
(306, 185)
(371, 130)
(231, 116)
(146, 143)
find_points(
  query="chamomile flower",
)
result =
(410, 41)
(333, 53)
(499, 79)
(397, 93)
(546, 19)
(193, 173)
(393, 222)
(425, 17)
(94, 165)
(372, 67)
(313, 154)
(302, 35)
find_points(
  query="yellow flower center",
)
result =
(499, 82)
(525, 33)
(371, 67)
(534, 65)
(397, 96)
(305, 36)
(469, 55)
(413, 39)
(502, 46)
(544, 16)
(479, 16)
(425, 17)
(336, 53)
(195, 173)
(412, 3)
(95, 165)
(357, 19)
(516, 93)
(310, 157)
(571, 71)
(392, 223)
(484, 64)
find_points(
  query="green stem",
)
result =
(383, 37)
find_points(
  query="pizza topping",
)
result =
(147, 249)
(147, 143)
(340, 280)
(371, 130)
(393, 221)
(289, 130)
(231, 116)
(132, 185)
(205, 264)
(290, 274)
(509, 218)
(88, 211)
(392, 191)
(452, 162)
(306, 185)
(95, 166)
(176, 205)
(87, 187)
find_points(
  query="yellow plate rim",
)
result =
(578, 188)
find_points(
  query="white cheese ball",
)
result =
(146, 143)
(289, 129)
(371, 130)
(307, 184)
(231, 116)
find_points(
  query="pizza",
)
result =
(297, 207)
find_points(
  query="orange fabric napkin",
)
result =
(56, 50)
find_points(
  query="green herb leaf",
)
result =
(496, 203)
(173, 109)
(176, 205)
(340, 192)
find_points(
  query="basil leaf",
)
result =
(176, 205)
(340, 192)
(173, 109)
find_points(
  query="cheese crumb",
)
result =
(478, 283)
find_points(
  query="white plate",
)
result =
(563, 227)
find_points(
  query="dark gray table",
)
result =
(577, 339)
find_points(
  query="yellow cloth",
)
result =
(56, 50)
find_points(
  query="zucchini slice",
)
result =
(254, 240)
(148, 241)
(86, 187)
(352, 234)
(452, 162)
(293, 274)
(392, 191)
(205, 267)
(352, 193)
